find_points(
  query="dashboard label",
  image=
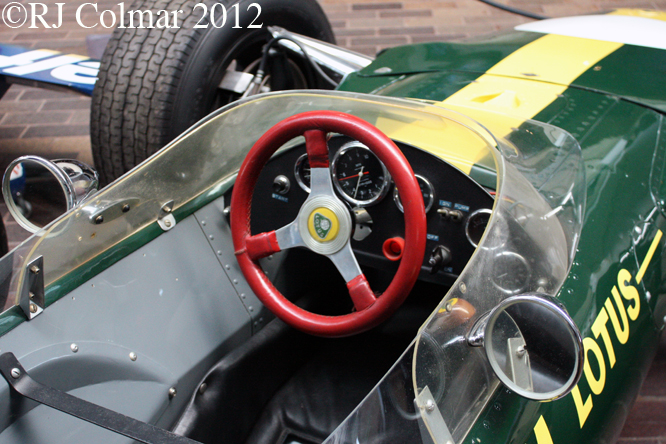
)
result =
(279, 197)
(432, 237)
(445, 203)
(461, 207)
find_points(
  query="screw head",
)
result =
(33, 308)
(167, 223)
(15, 373)
(34, 269)
(99, 219)
(172, 392)
(430, 405)
(74, 348)
(133, 356)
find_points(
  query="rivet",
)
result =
(236, 281)
(172, 392)
(34, 269)
(15, 373)
(228, 267)
(463, 287)
(383, 70)
(203, 222)
(251, 308)
(31, 294)
(132, 356)
(597, 68)
(202, 388)
(167, 223)
(242, 295)
(166, 209)
(520, 351)
(33, 308)
(99, 219)
(74, 348)
(219, 252)
(430, 405)
(126, 208)
(211, 237)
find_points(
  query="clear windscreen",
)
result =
(441, 384)
(201, 165)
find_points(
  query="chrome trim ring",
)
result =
(471, 217)
(360, 203)
(431, 194)
(297, 173)
(62, 178)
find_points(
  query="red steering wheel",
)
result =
(324, 224)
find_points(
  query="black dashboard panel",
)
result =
(454, 192)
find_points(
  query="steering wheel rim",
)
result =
(315, 125)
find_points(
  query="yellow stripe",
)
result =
(555, 59)
(508, 88)
(648, 257)
(542, 433)
(655, 15)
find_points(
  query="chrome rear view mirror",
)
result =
(533, 346)
(37, 191)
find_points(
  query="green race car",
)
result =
(494, 209)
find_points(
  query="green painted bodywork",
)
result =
(631, 73)
(615, 114)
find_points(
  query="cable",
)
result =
(312, 63)
(514, 10)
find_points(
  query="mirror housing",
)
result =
(32, 196)
(532, 345)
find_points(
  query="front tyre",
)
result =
(155, 83)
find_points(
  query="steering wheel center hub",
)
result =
(324, 224)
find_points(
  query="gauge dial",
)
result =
(359, 175)
(476, 225)
(427, 191)
(302, 172)
(510, 272)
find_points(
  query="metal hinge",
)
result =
(165, 219)
(31, 299)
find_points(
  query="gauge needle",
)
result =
(360, 176)
(351, 177)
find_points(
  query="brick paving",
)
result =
(55, 124)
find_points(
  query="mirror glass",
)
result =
(36, 194)
(534, 348)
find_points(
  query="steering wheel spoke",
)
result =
(289, 236)
(359, 289)
(264, 244)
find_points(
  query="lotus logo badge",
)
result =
(322, 225)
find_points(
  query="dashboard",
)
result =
(457, 208)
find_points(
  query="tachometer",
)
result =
(359, 175)
(427, 191)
